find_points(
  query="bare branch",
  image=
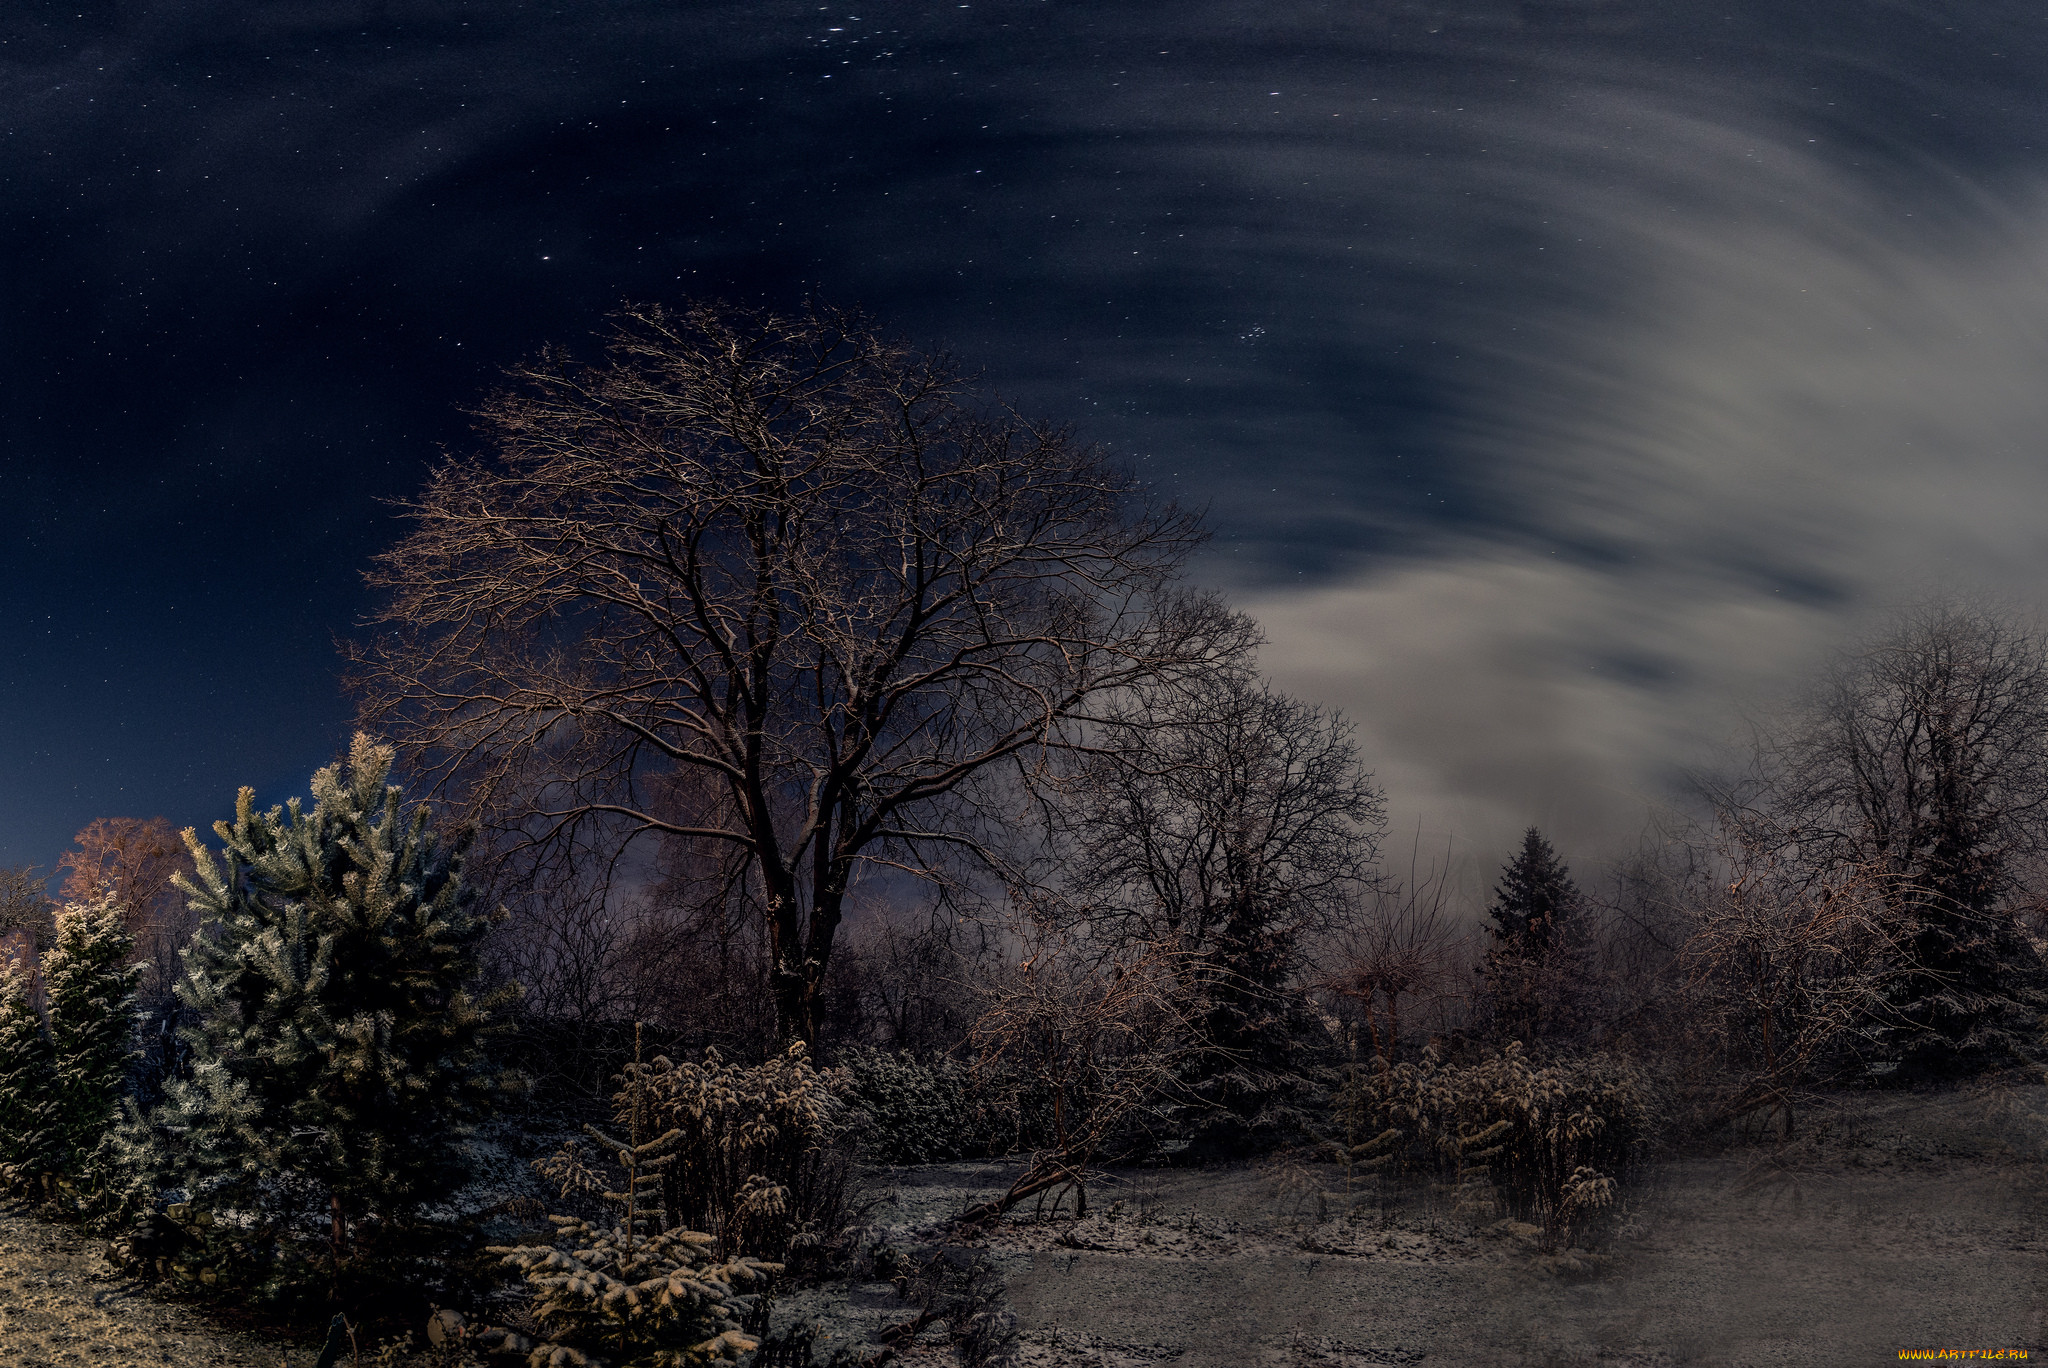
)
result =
(785, 554)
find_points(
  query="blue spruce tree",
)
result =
(339, 1053)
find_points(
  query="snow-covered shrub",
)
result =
(755, 1159)
(905, 1110)
(1550, 1143)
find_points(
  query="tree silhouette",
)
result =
(804, 564)
(1534, 898)
(1532, 970)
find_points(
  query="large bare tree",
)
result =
(1229, 823)
(1921, 763)
(792, 555)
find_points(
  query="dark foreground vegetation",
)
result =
(815, 767)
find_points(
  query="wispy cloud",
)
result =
(1805, 387)
(1558, 374)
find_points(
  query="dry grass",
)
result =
(60, 1304)
(63, 1306)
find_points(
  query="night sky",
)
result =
(1562, 376)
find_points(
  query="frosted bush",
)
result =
(1551, 1143)
(755, 1161)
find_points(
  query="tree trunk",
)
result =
(799, 962)
(1045, 1172)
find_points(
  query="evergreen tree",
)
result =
(27, 1084)
(1970, 995)
(338, 1058)
(1529, 974)
(1250, 1073)
(1534, 898)
(91, 983)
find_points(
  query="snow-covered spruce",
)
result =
(91, 978)
(62, 1069)
(28, 1147)
(338, 1057)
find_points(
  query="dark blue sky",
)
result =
(1555, 371)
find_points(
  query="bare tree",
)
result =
(672, 942)
(700, 943)
(569, 947)
(1229, 822)
(907, 980)
(1794, 959)
(790, 554)
(1921, 762)
(26, 913)
(1217, 812)
(27, 925)
(1400, 954)
(1098, 1034)
(130, 860)
(133, 861)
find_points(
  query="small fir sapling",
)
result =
(338, 1056)
(1358, 1152)
(654, 1298)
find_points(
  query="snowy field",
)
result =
(1893, 1223)
(1896, 1223)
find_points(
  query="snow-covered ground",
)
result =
(1894, 1222)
